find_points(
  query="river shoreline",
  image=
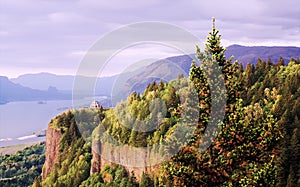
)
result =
(12, 149)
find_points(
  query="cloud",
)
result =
(54, 34)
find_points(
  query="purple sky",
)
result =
(53, 35)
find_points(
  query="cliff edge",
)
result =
(53, 137)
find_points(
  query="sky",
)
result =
(53, 35)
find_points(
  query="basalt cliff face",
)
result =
(53, 138)
(136, 160)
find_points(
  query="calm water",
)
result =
(19, 120)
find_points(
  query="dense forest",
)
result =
(251, 139)
(21, 168)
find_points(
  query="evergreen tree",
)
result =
(146, 181)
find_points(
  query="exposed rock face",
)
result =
(53, 138)
(95, 162)
(134, 159)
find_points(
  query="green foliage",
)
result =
(87, 120)
(286, 109)
(244, 152)
(135, 121)
(22, 168)
(111, 175)
(146, 181)
(94, 180)
(75, 155)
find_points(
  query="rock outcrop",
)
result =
(53, 137)
(137, 160)
(96, 159)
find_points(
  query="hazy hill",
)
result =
(120, 86)
(10, 91)
(170, 68)
(64, 83)
(245, 54)
(165, 70)
(43, 80)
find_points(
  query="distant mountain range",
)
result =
(246, 54)
(169, 68)
(35, 86)
(63, 83)
(10, 91)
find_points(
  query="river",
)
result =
(20, 120)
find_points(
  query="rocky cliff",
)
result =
(53, 138)
(137, 160)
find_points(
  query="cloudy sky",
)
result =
(54, 35)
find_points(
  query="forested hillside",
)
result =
(256, 143)
(250, 54)
(22, 168)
